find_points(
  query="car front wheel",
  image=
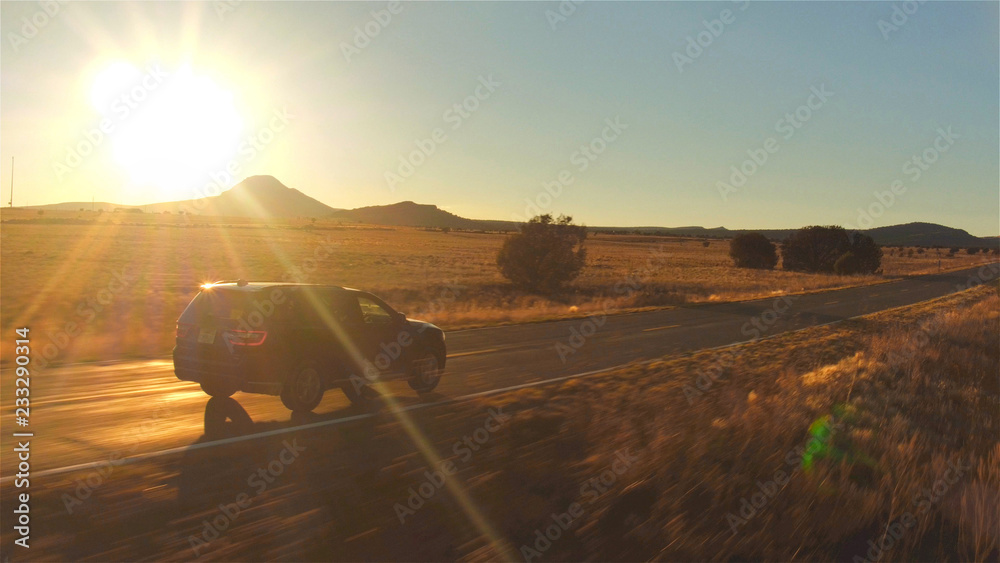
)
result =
(304, 388)
(425, 372)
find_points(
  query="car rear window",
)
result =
(219, 303)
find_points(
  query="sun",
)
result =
(170, 130)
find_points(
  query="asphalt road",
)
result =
(88, 412)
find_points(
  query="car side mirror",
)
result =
(401, 317)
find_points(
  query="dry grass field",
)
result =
(880, 429)
(101, 286)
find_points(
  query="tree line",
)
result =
(815, 249)
(547, 253)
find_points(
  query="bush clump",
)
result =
(830, 250)
(545, 255)
(753, 250)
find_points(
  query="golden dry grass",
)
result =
(56, 272)
(906, 392)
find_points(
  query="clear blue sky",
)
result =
(559, 80)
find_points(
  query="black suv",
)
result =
(297, 340)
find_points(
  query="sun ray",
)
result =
(416, 435)
(84, 247)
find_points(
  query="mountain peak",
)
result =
(259, 197)
(260, 184)
(407, 213)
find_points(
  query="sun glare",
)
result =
(173, 128)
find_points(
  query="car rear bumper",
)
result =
(236, 372)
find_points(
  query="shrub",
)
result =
(753, 250)
(545, 255)
(814, 249)
(866, 254)
(972, 250)
(847, 264)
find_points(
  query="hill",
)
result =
(259, 197)
(927, 234)
(78, 205)
(909, 234)
(264, 197)
(410, 214)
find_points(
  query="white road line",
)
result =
(180, 449)
(157, 390)
(659, 328)
(336, 421)
(279, 431)
(473, 353)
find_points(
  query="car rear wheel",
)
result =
(360, 396)
(218, 389)
(425, 372)
(304, 388)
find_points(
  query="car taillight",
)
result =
(184, 329)
(246, 337)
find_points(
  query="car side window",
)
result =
(373, 313)
(345, 311)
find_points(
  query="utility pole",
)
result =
(11, 202)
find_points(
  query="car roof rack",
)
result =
(240, 282)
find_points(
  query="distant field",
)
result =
(63, 267)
